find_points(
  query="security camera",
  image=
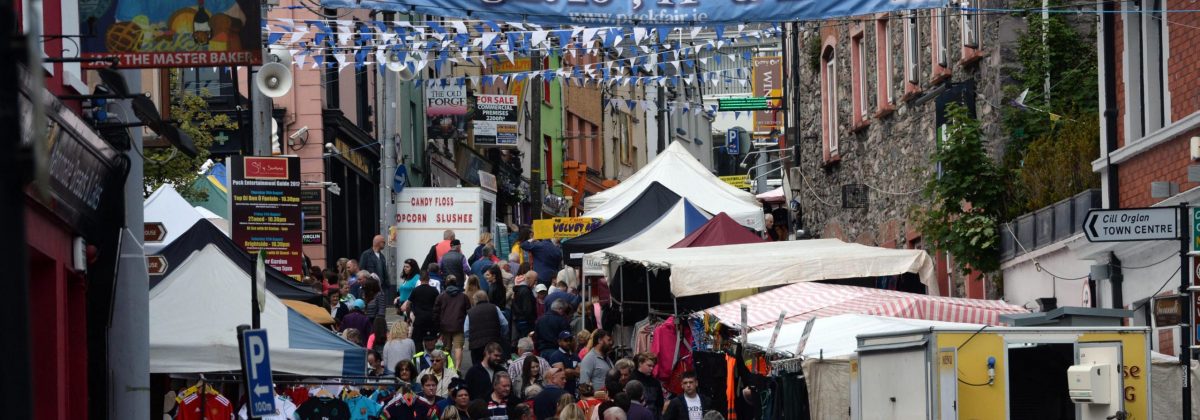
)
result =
(299, 133)
(329, 148)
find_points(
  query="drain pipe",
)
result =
(1117, 280)
(1109, 65)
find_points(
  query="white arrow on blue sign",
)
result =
(732, 143)
(1144, 224)
(258, 370)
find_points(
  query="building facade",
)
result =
(867, 96)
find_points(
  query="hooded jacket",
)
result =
(450, 308)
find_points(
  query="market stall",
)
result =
(676, 169)
(803, 301)
(195, 311)
(202, 235)
(668, 229)
(655, 201)
(695, 271)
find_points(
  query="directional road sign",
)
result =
(156, 265)
(154, 232)
(1144, 224)
(258, 373)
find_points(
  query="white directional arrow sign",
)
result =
(1144, 224)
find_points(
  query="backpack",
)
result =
(524, 305)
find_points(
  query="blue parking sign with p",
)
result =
(258, 373)
(732, 144)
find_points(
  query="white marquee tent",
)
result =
(670, 228)
(195, 311)
(722, 268)
(166, 206)
(679, 171)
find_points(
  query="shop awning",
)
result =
(837, 336)
(680, 172)
(195, 311)
(773, 196)
(804, 301)
(714, 269)
(314, 313)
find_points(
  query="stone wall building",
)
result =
(866, 97)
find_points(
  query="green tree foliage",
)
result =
(1059, 164)
(170, 166)
(1058, 48)
(966, 196)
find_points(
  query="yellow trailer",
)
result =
(1085, 373)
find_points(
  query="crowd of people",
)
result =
(516, 318)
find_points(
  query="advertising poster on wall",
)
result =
(446, 111)
(171, 33)
(495, 121)
(768, 82)
(265, 194)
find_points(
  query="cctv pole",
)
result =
(388, 137)
(260, 105)
(1185, 328)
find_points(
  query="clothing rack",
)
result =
(792, 365)
(287, 379)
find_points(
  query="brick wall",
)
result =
(1166, 162)
(1183, 74)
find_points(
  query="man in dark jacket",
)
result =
(643, 372)
(547, 258)
(374, 261)
(450, 309)
(681, 407)
(548, 327)
(436, 251)
(454, 263)
(485, 324)
(480, 376)
(524, 309)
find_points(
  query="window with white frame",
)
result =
(912, 49)
(883, 62)
(970, 29)
(942, 20)
(831, 100)
(861, 68)
(1154, 55)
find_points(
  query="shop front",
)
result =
(351, 216)
(73, 216)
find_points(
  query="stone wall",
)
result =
(890, 152)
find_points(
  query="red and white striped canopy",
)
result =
(804, 301)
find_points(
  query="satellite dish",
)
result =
(274, 80)
(278, 54)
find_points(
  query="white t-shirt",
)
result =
(694, 409)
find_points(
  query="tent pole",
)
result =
(622, 294)
(648, 300)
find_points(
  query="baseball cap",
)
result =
(358, 303)
(540, 288)
(565, 335)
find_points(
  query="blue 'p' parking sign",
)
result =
(258, 373)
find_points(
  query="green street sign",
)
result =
(753, 103)
(1195, 229)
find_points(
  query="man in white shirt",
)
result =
(691, 405)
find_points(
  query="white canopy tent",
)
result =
(679, 171)
(670, 228)
(714, 269)
(195, 311)
(166, 206)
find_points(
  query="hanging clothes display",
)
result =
(712, 372)
(667, 346)
(284, 409)
(195, 406)
(323, 408)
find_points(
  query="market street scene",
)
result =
(600, 209)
